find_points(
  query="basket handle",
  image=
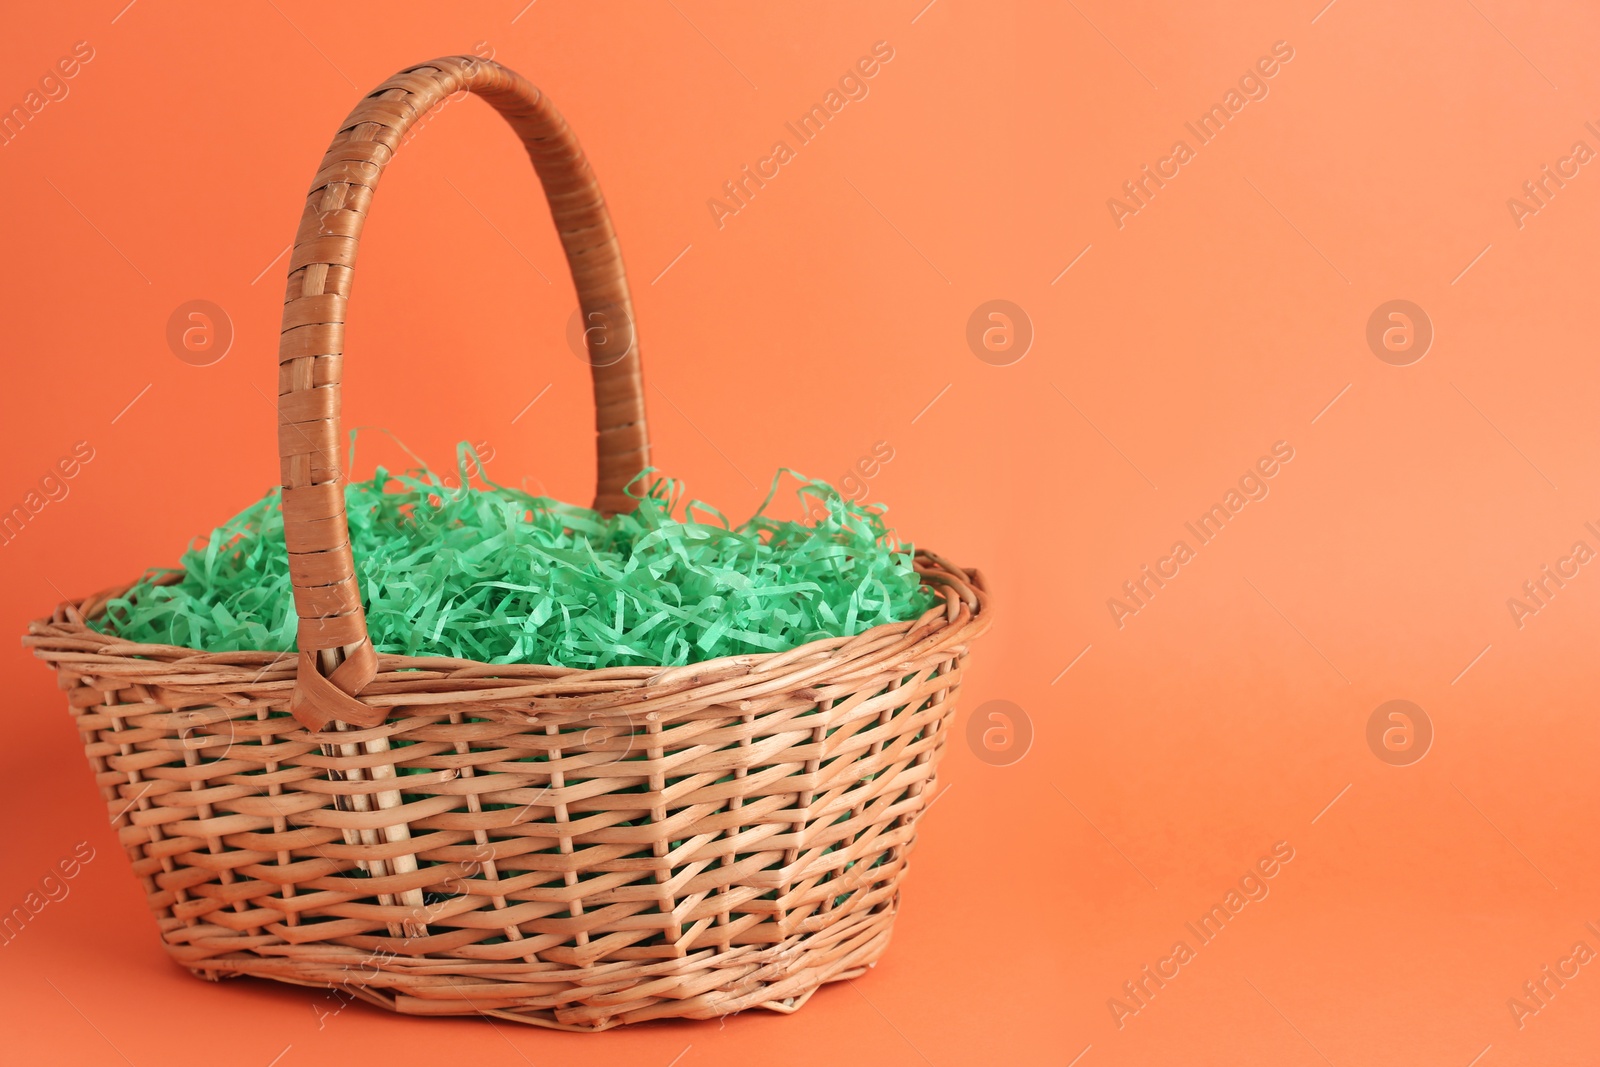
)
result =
(337, 659)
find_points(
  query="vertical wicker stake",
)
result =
(375, 868)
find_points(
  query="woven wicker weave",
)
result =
(571, 848)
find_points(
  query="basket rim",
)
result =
(420, 685)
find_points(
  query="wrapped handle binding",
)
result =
(337, 659)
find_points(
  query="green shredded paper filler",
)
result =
(498, 575)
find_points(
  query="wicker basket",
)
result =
(570, 848)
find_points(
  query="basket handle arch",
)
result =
(336, 657)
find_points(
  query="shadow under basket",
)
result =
(570, 848)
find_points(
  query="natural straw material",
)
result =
(566, 847)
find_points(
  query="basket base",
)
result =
(704, 985)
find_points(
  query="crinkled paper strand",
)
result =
(500, 576)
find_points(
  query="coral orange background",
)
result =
(830, 313)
